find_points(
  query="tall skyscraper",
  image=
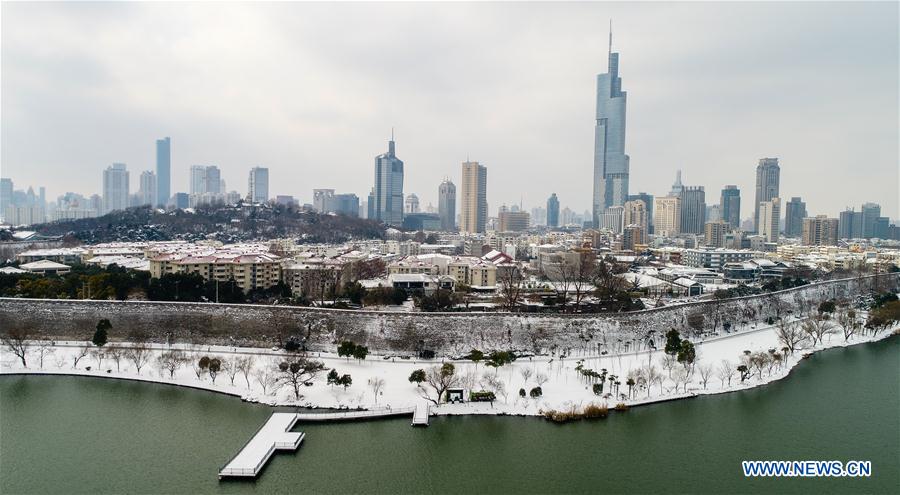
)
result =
(794, 213)
(163, 171)
(730, 206)
(553, 211)
(447, 205)
(473, 201)
(610, 161)
(258, 185)
(769, 219)
(767, 185)
(412, 203)
(667, 215)
(693, 210)
(115, 187)
(388, 206)
(147, 193)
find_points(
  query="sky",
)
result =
(312, 91)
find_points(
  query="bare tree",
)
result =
(653, 376)
(139, 354)
(541, 379)
(82, 351)
(494, 384)
(526, 375)
(681, 377)
(789, 334)
(725, 371)
(846, 318)
(296, 372)
(265, 377)
(44, 349)
(510, 278)
(230, 367)
(170, 361)
(98, 353)
(245, 366)
(668, 362)
(439, 379)
(376, 384)
(16, 340)
(705, 372)
(116, 353)
(817, 327)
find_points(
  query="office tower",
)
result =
(163, 171)
(693, 210)
(767, 181)
(553, 211)
(323, 200)
(514, 221)
(473, 198)
(258, 185)
(115, 187)
(633, 235)
(412, 203)
(850, 225)
(820, 231)
(667, 216)
(346, 204)
(610, 161)
(447, 205)
(147, 193)
(714, 233)
(870, 214)
(635, 213)
(794, 213)
(6, 194)
(730, 206)
(611, 219)
(769, 218)
(648, 206)
(388, 206)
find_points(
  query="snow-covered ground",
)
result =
(564, 387)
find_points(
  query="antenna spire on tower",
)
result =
(610, 35)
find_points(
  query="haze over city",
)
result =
(311, 91)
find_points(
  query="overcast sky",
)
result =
(312, 90)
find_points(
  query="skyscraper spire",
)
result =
(610, 35)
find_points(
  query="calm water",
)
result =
(90, 435)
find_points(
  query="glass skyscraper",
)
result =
(610, 160)
(388, 195)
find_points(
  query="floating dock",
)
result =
(420, 416)
(274, 435)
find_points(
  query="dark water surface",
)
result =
(92, 435)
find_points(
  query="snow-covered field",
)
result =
(563, 386)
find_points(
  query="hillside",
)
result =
(224, 223)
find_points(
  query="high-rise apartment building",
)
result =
(794, 213)
(635, 213)
(768, 175)
(258, 185)
(667, 216)
(820, 231)
(473, 198)
(730, 206)
(388, 197)
(714, 233)
(147, 194)
(769, 219)
(447, 205)
(693, 210)
(323, 200)
(648, 205)
(553, 211)
(205, 179)
(611, 167)
(163, 171)
(633, 235)
(115, 187)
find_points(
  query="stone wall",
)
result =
(405, 333)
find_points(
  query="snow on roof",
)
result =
(24, 234)
(10, 270)
(43, 265)
(686, 282)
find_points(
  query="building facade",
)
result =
(769, 219)
(768, 179)
(147, 193)
(258, 185)
(820, 231)
(447, 205)
(730, 206)
(473, 200)
(794, 213)
(115, 187)
(667, 216)
(693, 210)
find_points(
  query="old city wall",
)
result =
(390, 332)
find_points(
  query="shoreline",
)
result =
(480, 409)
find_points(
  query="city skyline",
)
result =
(74, 159)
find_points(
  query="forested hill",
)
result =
(224, 223)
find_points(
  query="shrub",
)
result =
(598, 388)
(521, 392)
(595, 411)
(536, 392)
(482, 396)
(621, 407)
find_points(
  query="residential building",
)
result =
(258, 185)
(820, 231)
(713, 258)
(163, 171)
(611, 219)
(767, 186)
(514, 221)
(115, 187)
(388, 192)
(473, 200)
(648, 205)
(794, 213)
(730, 206)
(323, 200)
(667, 216)
(635, 213)
(611, 166)
(447, 205)
(633, 235)
(147, 194)
(769, 219)
(715, 233)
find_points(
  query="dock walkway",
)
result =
(274, 435)
(420, 416)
